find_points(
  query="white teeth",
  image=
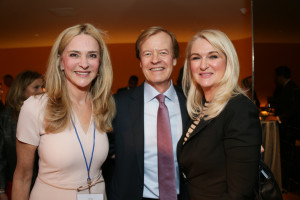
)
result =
(82, 73)
(206, 74)
(157, 69)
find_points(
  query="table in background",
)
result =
(271, 144)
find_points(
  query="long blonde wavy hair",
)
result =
(58, 107)
(228, 85)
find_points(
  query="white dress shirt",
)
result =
(151, 105)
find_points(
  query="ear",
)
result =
(141, 64)
(174, 61)
(61, 67)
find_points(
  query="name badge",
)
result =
(89, 196)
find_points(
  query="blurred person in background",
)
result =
(286, 101)
(132, 83)
(26, 83)
(8, 80)
(246, 85)
(286, 97)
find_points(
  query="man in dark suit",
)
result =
(286, 97)
(286, 100)
(135, 127)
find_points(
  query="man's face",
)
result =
(279, 80)
(156, 60)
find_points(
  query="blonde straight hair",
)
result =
(58, 107)
(228, 86)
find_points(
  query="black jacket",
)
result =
(8, 155)
(219, 161)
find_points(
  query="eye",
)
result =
(93, 55)
(164, 52)
(147, 53)
(75, 55)
(36, 87)
(195, 57)
(213, 56)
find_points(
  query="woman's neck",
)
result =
(78, 96)
(209, 93)
(81, 100)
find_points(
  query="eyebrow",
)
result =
(211, 52)
(155, 50)
(76, 51)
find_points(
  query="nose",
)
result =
(39, 90)
(84, 62)
(203, 64)
(155, 58)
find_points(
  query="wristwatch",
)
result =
(2, 191)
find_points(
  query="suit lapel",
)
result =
(138, 126)
(182, 102)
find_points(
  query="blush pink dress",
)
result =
(62, 167)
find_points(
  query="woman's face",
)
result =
(36, 87)
(208, 65)
(80, 61)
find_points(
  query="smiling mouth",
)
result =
(82, 73)
(206, 74)
(157, 69)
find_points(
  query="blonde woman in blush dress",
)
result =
(68, 124)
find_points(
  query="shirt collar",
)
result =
(150, 92)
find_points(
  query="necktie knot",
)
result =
(161, 98)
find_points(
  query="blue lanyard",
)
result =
(87, 166)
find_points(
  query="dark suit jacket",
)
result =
(220, 158)
(8, 155)
(286, 99)
(122, 89)
(128, 144)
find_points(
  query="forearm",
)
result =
(21, 185)
(23, 173)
